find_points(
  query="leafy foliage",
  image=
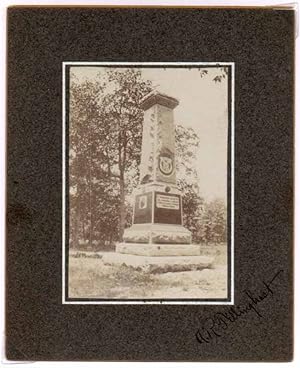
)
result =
(105, 140)
(212, 225)
(224, 72)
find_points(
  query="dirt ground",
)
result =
(89, 277)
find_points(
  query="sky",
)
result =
(202, 106)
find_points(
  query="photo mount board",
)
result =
(260, 42)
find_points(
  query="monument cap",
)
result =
(156, 97)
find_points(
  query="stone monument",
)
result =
(157, 239)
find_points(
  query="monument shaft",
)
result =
(158, 146)
(157, 211)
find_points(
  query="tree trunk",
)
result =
(122, 214)
(90, 212)
(83, 219)
(75, 227)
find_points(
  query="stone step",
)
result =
(158, 250)
(158, 264)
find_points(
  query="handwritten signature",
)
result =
(214, 326)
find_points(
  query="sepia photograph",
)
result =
(148, 182)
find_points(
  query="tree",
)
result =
(105, 136)
(192, 207)
(85, 163)
(187, 145)
(212, 226)
(124, 118)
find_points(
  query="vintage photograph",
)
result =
(148, 182)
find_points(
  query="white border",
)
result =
(63, 183)
(184, 302)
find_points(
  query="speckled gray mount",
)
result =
(259, 327)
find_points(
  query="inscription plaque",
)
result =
(167, 201)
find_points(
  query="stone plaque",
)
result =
(143, 208)
(167, 208)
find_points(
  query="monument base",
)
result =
(158, 264)
(157, 233)
(158, 250)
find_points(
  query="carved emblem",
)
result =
(166, 164)
(142, 202)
